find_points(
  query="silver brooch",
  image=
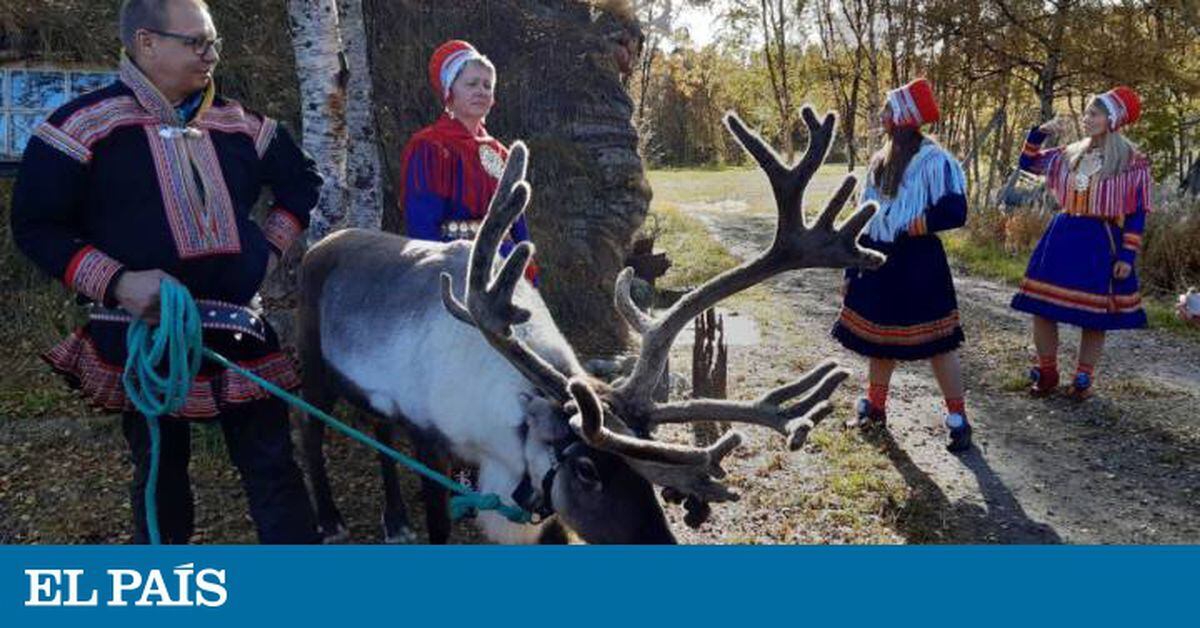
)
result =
(493, 163)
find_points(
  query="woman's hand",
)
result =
(1122, 270)
(844, 288)
(1056, 126)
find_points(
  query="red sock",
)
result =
(956, 405)
(877, 396)
(1048, 363)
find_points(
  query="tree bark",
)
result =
(316, 43)
(363, 177)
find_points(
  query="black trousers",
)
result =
(258, 440)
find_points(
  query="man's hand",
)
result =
(137, 292)
(1122, 270)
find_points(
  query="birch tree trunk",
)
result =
(365, 195)
(316, 43)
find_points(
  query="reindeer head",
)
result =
(605, 493)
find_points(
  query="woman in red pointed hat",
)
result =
(1082, 271)
(449, 170)
(907, 309)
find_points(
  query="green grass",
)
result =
(1161, 313)
(746, 185)
(987, 260)
(695, 256)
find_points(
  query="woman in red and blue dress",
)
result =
(1082, 271)
(450, 169)
(907, 308)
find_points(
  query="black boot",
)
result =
(960, 433)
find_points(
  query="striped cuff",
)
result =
(281, 229)
(918, 226)
(90, 272)
(1132, 242)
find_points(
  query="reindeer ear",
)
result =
(543, 418)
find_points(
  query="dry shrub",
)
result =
(1016, 232)
(1170, 259)
(1022, 230)
(985, 226)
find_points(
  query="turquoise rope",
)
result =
(179, 339)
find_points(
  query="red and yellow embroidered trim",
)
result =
(62, 142)
(1132, 241)
(230, 117)
(89, 273)
(200, 213)
(918, 227)
(1079, 300)
(281, 229)
(100, 382)
(898, 335)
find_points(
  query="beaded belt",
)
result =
(213, 315)
(465, 230)
(461, 229)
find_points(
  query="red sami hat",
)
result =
(447, 61)
(914, 104)
(1123, 104)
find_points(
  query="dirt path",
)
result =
(1123, 467)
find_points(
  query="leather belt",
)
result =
(213, 315)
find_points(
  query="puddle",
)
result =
(740, 331)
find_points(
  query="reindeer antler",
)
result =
(792, 409)
(771, 410)
(796, 245)
(688, 469)
(489, 303)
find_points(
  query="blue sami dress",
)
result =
(1070, 275)
(907, 308)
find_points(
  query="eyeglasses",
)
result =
(199, 45)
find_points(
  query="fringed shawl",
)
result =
(446, 160)
(931, 174)
(1113, 197)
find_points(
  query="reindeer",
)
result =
(490, 380)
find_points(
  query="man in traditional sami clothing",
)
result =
(1082, 272)
(450, 169)
(154, 177)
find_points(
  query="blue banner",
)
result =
(461, 585)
